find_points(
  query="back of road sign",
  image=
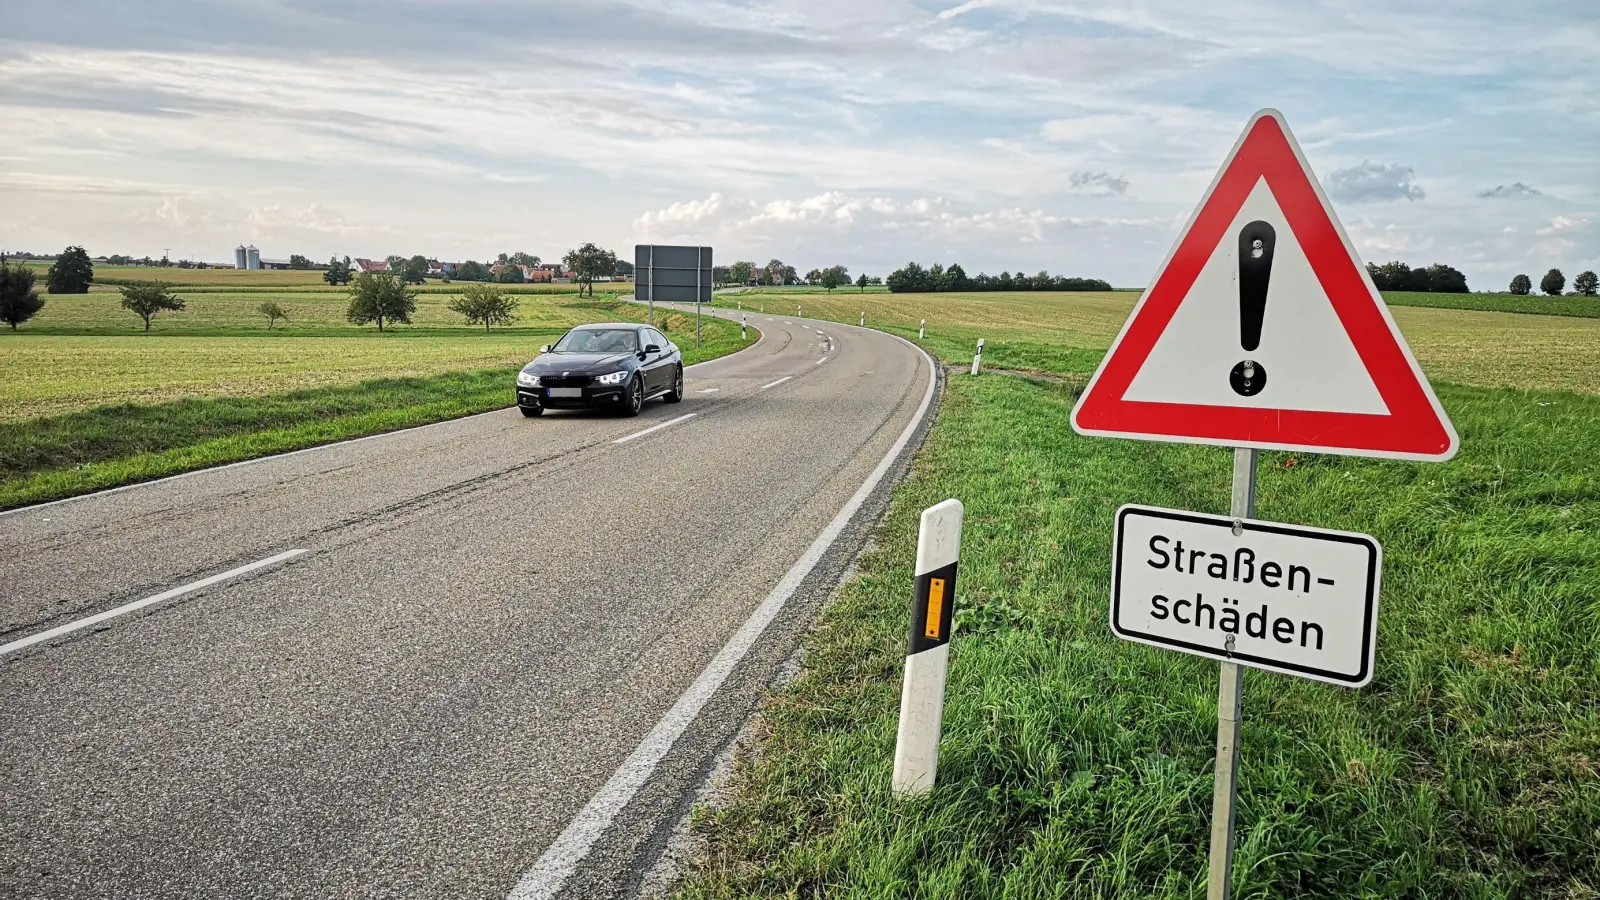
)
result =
(1264, 330)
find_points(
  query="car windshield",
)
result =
(598, 340)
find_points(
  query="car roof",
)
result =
(596, 326)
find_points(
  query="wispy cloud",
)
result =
(1515, 189)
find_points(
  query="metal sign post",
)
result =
(697, 271)
(1230, 691)
(650, 292)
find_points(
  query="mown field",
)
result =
(88, 401)
(1077, 765)
(1049, 332)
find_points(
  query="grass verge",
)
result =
(1077, 765)
(50, 457)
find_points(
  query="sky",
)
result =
(1002, 134)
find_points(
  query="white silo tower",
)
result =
(252, 257)
(240, 260)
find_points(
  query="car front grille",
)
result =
(565, 380)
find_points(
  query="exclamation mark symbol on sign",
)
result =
(1255, 270)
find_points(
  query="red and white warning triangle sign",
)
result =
(1264, 330)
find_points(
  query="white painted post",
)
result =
(743, 321)
(977, 357)
(797, 311)
(916, 751)
(863, 319)
(922, 330)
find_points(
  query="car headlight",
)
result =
(613, 378)
(525, 379)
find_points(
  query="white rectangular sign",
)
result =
(1296, 600)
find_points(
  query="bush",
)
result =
(19, 302)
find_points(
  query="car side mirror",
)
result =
(545, 349)
(652, 348)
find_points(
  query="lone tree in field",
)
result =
(19, 302)
(378, 297)
(486, 304)
(273, 312)
(147, 299)
(834, 276)
(1552, 282)
(588, 263)
(1522, 285)
(1586, 284)
(862, 281)
(338, 271)
(71, 273)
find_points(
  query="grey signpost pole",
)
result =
(1230, 690)
(697, 297)
(650, 292)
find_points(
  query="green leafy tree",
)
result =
(1521, 285)
(1553, 282)
(71, 273)
(509, 274)
(773, 273)
(590, 262)
(862, 281)
(524, 259)
(472, 270)
(273, 312)
(415, 270)
(296, 261)
(719, 274)
(626, 268)
(814, 276)
(739, 272)
(338, 271)
(19, 301)
(1443, 279)
(146, 299)
(835, 276)
(486, 304)
(1586, 284)
(379, 297)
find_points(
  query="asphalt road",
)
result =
(490, 616)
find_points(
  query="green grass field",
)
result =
(88, 401)
(1046, 331)
(1583, 307)
(1077, 765)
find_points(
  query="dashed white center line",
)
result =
(775, 383)
(821, 361)
(785, 321)
(640, 434)
(97, 618)
(708, 390)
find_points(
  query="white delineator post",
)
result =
(797, 311)
(977, 357)
(743, 321)
(916, 751)
(863, 319)
(922, 329)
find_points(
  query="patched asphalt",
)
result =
(492, 613)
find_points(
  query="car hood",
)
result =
(576, 363)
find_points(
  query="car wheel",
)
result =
(634, 400)
(531, 411)
(676, 394)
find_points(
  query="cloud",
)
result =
(1369, 181)
(1515, 189)
(1563, 225)
(1098, 183)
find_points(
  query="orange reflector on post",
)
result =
(935, 607)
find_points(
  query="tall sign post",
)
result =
(1262, 331)
(674, 275)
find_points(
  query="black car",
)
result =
(616, 365)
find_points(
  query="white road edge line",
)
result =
(355, 440)
(821, 361)
(549, 875)
(41, 637)
(639, 434)
(775, 383)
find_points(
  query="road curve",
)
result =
(489, 616)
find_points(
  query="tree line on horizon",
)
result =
(913, 278)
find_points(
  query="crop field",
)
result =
(90, 402)
(1583, 307)
(1041, 331)
(1074, 764)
